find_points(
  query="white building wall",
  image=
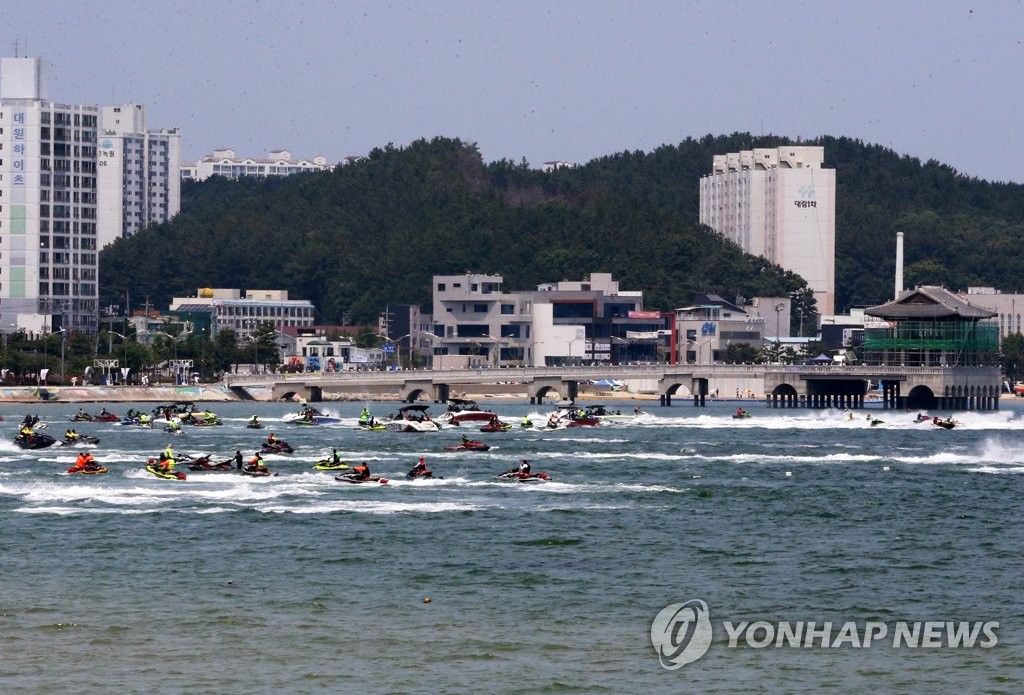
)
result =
(802, 227)
(226, 163)
(48, 254)
(60, 198)
(778, 204)
(139, 182)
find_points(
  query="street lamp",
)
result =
(63, 339)
(124, 343)
(175, 340)
(397, 347)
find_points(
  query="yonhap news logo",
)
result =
(682, 633)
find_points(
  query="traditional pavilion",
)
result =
(931, 327)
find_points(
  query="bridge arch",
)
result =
(785, 395)
(413, 394)
(538, 392)
(671, 388)
(313, 394)
(921, 397)
(566, 389)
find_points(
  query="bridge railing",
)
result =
(578, 373)
(500, 374)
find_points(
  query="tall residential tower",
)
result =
(73, 178)
(779, 204)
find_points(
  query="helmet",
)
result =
(525, 461)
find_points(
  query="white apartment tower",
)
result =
(137, 173)
(48, 226)
(70, 182)
(778, 203)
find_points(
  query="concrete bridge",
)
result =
(809, 386)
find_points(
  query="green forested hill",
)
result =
(374, 232)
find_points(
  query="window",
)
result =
(479, 308)
(508, 308)
(440, 287)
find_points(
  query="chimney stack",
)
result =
(899, 264)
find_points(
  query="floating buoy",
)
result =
(426, 599)
(789, 474)
(885, 468)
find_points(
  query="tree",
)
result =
(740, 353)
(1012, 357)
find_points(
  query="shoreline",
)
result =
(221, 393)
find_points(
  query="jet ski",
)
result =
(330, 465)
(102, 417)
(946, 424)
(352, 478)
(152, 468)
(91, 469)
(422, 475)
(277, 447)
(523, 477)
(375, 427)
(80, 440)
(496, 427)
(203, 464)
(471, 445)
(257, 471)
(36, 440)
(740, 414)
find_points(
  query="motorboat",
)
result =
(603, 413)
(571, 416)
(462, 410)
(412, 418)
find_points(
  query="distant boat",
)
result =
(412, 418)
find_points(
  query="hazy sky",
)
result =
(560, 80)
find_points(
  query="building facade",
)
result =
(778, 204)
(72, 179)
(48, 206)
(1009, 308)
(931, 327)
(478, 324)
(227, 163)
(245, 312)
(137, 173)
(708, 327)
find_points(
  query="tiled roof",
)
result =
(929, 302)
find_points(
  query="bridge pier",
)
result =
(442, 392)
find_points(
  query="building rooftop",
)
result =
(929, 302)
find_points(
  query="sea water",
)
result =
(299, 583)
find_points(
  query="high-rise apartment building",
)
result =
(778, 203)
(137, 173)
(72, 179)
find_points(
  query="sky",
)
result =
(560, 80)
